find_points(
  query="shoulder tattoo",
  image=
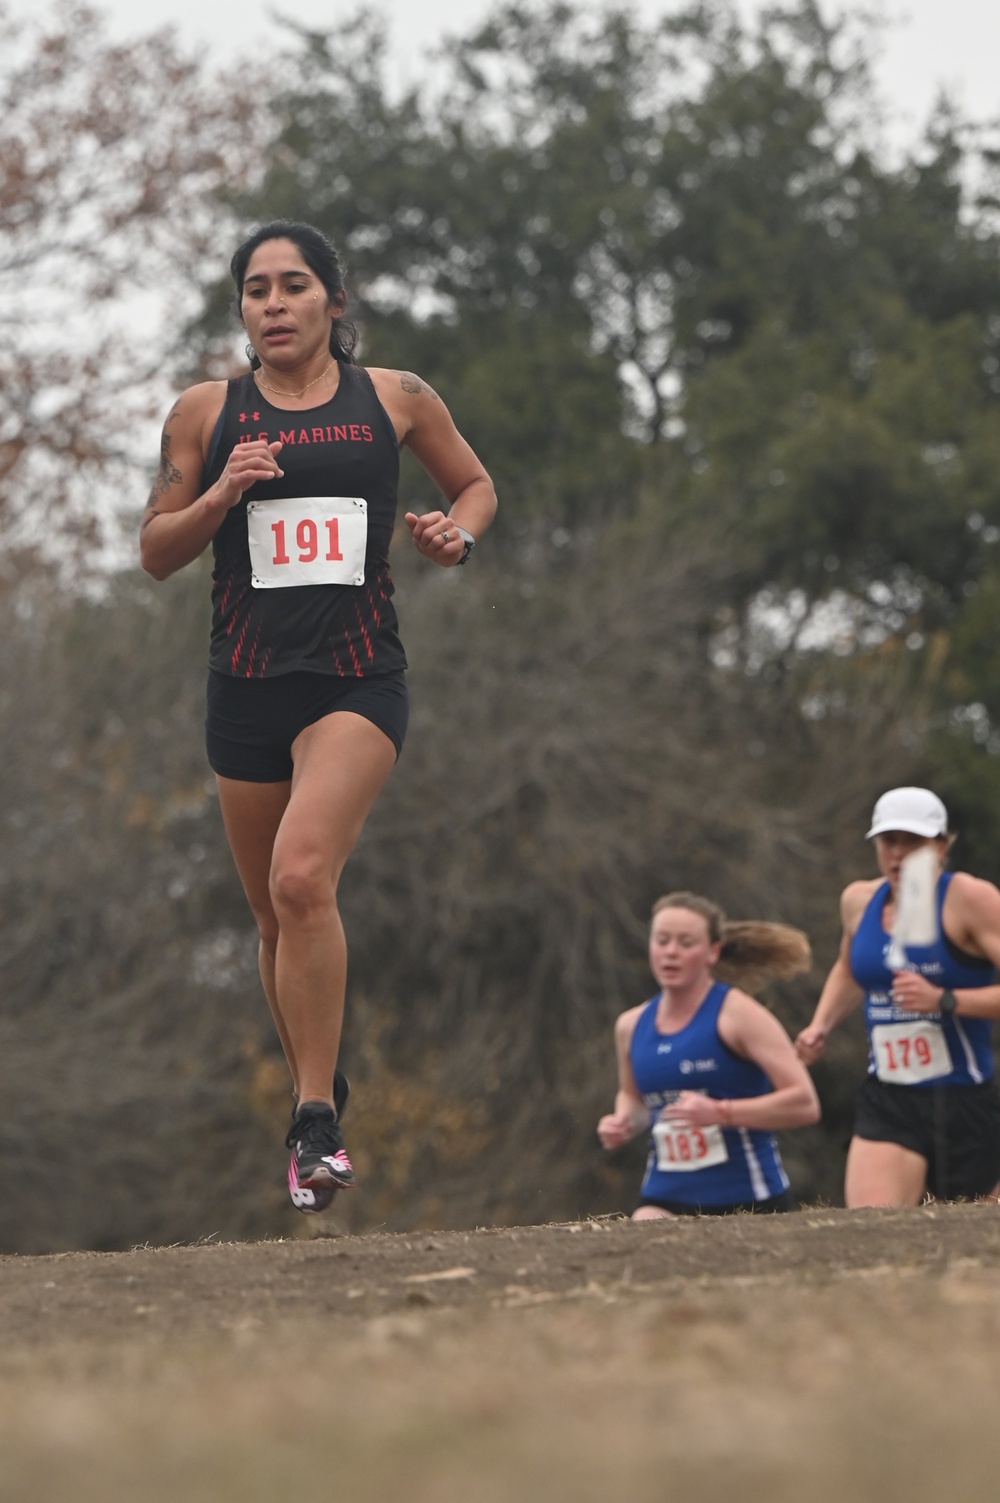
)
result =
(413, 384)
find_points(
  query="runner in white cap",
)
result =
(928, 1117)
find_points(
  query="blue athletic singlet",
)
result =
(708, 1166)
(919, 1048)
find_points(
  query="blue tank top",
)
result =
(702, 1166)
(969, 1052)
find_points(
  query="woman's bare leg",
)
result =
(251, 813)
(341, 763)
(883, 1174)
(290, 843)
(652, 1213)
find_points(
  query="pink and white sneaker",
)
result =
(319, 1164)
(309, 1198)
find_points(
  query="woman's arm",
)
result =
(180, 520)
(631, 1115)
(750, 1031)
(841, 994)
(425, 425)
(972, 919)
(915, 993)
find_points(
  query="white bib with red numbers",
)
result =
(909, 1053)
(307, 540)
(679, 1149)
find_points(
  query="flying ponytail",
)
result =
(753, 951)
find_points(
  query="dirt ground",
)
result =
(821, 1355)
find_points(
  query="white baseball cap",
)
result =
(916, 810)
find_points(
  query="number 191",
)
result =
(307, 541)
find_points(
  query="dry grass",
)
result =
(874, 1384)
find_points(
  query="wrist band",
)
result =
(469, 542)
(948, 1003)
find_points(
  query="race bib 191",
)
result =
(683, 1148)
(908, 1053)
(307, 540)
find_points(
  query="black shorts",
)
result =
(782, 1202)
(252, 722)
(955, 1128)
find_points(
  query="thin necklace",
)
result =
(280, 389)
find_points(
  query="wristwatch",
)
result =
(947, 1003)
(468, 540)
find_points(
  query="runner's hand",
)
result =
(436, 537)
(247, 465)
(615, 1130)
(692, 1109)
(810, 1044)
(914, 993)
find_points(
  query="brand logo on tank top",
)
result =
(655, 1100)
(664, 1048)
(688, 1066)
(926, 968)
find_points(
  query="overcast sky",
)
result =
(929, 43)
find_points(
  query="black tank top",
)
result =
(346, 447)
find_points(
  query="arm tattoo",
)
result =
(413, 384)
(167, 475)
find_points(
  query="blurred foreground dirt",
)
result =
(824, 1354)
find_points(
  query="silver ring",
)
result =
(445, 536)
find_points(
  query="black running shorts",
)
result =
(252, 722)
(955, 1128)
(782, 1202)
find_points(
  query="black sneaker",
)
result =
(341, 1093)
(319, 1165)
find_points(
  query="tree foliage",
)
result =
(694, 219)
(736, 376)
(666, 270)
(114, 162)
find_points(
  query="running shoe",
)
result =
(308, 1198)
(319, 1165)
(341, 1093)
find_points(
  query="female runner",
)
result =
(710, 1070)
(928, 1116)
(290, 472)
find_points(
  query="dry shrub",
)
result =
(572, 754)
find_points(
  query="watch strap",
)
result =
(468, 540)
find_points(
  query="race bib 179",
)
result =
(307, 540)
(908, 1053)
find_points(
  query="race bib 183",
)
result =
(306, 540)
(908, 1053)
(683, 1148)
